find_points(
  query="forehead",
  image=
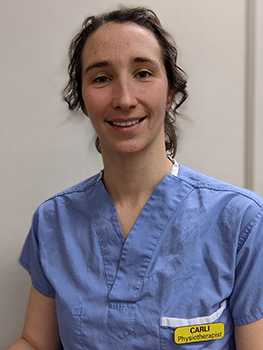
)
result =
(121, 39)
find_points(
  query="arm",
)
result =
(41, 327)
(249, 336)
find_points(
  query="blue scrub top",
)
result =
(193, 261)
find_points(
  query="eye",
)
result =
(143, 74)
(101, 80)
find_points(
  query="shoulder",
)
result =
(82, 186)
(217, 188)
(235, 210)
(232, 208)
(74, 196)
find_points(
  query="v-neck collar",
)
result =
(126, 261)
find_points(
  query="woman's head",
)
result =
(175, 76)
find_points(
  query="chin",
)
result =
(123, 148)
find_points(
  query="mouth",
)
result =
(126, 124)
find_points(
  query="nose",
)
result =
(124, 94)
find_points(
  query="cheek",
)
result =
(158, 96)
(94, 102)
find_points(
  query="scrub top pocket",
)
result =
(70, 326)
(206, 332)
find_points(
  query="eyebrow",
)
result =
(101, 64)
(145, 60)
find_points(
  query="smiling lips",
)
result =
(126, 124)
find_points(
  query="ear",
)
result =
(84, 112)
(170, 99)
(83, 109)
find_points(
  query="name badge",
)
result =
(191, 334)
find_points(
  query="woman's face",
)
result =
(125, 88)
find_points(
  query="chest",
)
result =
(121, 289)
(113, 292)
(128, 214)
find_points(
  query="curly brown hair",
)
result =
(176, 77)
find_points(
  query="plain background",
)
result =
(45, 148)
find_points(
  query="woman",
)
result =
(148, 254)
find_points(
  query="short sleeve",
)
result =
(30, 259)
(246, 300)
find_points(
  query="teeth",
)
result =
(129, 123)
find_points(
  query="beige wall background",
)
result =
(45, 149)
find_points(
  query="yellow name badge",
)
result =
(191, 334)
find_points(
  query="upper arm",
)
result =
(249, 336)
(41, 326)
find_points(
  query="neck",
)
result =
(130, 181)
(134, 177)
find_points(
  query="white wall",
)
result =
(45, 149)
(258, 127)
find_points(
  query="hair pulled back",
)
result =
(175, 75)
